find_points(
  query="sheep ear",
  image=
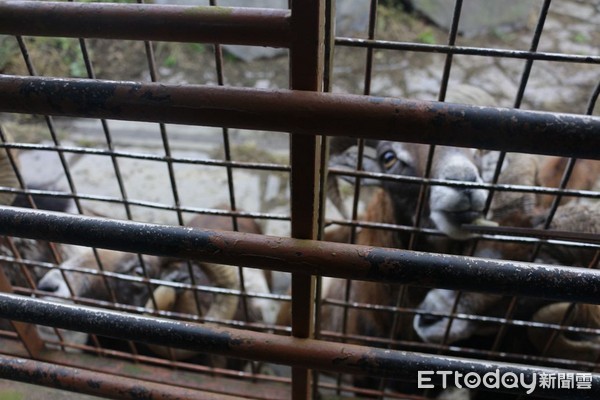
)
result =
(348, 160)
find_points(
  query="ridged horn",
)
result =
(223, 306)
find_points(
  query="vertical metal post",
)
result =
(27, 332)
(306, 69)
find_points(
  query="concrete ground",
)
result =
(146, 176)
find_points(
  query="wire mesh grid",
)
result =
(235, 179)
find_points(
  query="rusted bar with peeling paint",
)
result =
(308, 113)
(245, 26)
(306, 73)
(308, 256)
(308, 353)
(196, 377)
(95, 382)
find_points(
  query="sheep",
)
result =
(36, 250)
(447, 208)
(395, 204)
(93, 286)
(221, 307)
(164, 297)
(585, 218)
(23, 248)
(340, 156)
(585, 175)
(531, 211)
(521, 210)
(573, 346)
(343, 152)
(217, 307)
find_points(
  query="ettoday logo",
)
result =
(507, 380)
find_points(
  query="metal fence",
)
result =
(256, 146)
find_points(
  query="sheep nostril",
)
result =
(50, 287)
(428, 320)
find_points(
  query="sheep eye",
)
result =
(388, 159)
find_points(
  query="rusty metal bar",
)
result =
(307, 256)
(244, 26)
(306, 73)
(570, 236)
(501, 187)
(190, 376)
(467, 50)
(308, 113)
(308, 353)
(96, 382)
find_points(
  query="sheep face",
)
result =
(449, 207)
(94, 286)
(432, 328)
(440, 302)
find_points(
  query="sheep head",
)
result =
(433, 328)
(94, 286)
(448, 207)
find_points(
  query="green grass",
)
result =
(427, 37)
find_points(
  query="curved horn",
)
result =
(223, 307)
(585, 315)
(166, 300)
(343, 153)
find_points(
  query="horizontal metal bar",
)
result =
(467, 50)
(258, 166)
(503, 187)
(245, 26)
(307, 256)
(307, 113)
(191, 376)
(147, 204)
(520, 236)
(306, 353)
(570, 236)
(286, 168)
(95, 382)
